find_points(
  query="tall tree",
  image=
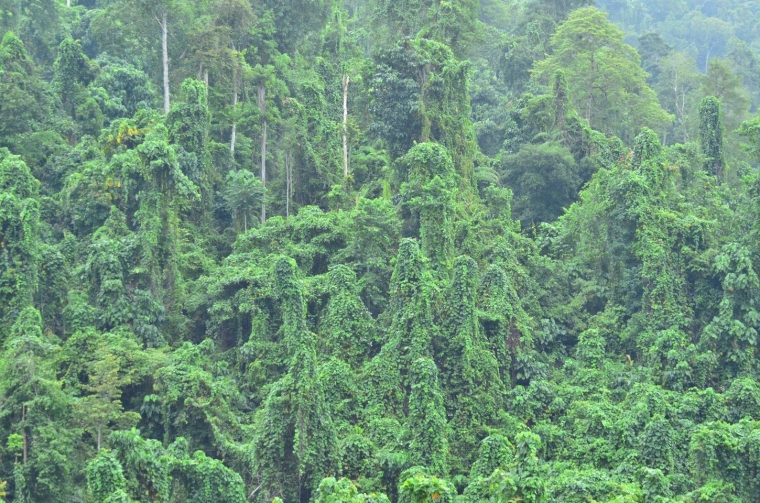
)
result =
(155, 190)
(232, 23)
(345, 82)
(653, 48)
(419, 94)
(263, 79)
(747, 65)
(37, 22)
(73, 71)
(25, 105)
(346, 321)
(167, 15)
(295, 443)
(127, 89)
(677, 87)
(104, 410)
(722, 82)
(37, 409)
(430, 191)
(604, 74)
(470, 373)
(411, 331)
(188, 124)
(709, 34)
(19, 236)
(711, 135)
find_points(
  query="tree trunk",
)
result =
(263, 109)
(560, 98)
(233, 134)
(590, 99)
(23, 433)
(676, 94)
(264, 169)
(99, 436)
(164, 23)
(288, 181)
(346, 81)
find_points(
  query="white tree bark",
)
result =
(288, 181)
(346, 81)
(164, 24)
(233, 134)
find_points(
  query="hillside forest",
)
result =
(379, 251)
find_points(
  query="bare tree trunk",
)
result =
(23, 433)
(264, 170)
(205, 79)
(263, 109)
(164, 23)
(68, 3)
(676, 94)
(590, 98)
(288, 181)
(99, 435)
(346, 81)
(233, 134)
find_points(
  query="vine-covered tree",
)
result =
(295, 439)
(25, 105)
(19, 236)
(711, 135)
(410, 332)
(427, 419)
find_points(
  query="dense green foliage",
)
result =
(379, 251)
